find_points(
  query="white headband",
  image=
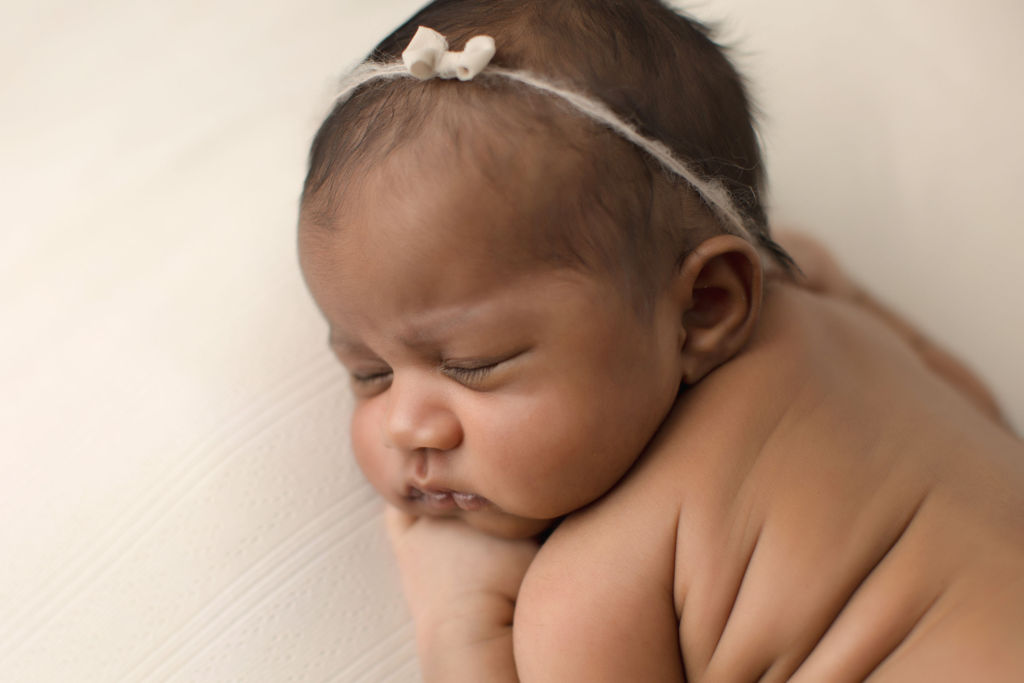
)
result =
(427, 56)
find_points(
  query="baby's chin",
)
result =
(507, 526)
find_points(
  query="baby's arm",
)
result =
(597, 605)
(461, 587)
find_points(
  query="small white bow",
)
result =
(427, 56)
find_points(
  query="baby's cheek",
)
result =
(369, 450)
(538, 454)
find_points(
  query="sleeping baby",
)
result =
(622, 435)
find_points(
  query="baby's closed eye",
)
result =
(472, 371)
(368, 383)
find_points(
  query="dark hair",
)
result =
(660, 71)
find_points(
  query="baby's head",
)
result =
(517, 290)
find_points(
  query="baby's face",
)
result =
(498, 390)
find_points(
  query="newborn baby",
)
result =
(552, 282)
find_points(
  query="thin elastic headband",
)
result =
(428, 57)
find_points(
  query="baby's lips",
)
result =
(446, 499)
(437, 496)
(433, 500)
(470, 501)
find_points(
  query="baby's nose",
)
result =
(419, 417)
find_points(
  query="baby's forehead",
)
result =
(463, 183)
(513, 172)
(419, 205)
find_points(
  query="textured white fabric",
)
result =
(177, 496)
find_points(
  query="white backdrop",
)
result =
(177, 497)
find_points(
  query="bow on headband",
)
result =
(428, 56)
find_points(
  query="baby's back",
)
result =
(823, 507)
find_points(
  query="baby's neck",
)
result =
(746, 400)
(784, 394)
(821, 380)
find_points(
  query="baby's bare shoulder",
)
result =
(597, 602)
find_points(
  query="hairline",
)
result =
(538, 121)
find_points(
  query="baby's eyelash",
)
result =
(469, 374)
(372, 378)
(465, 371)
(468, 371)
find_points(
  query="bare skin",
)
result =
(823, 274)
(823, 502)
(868, 525)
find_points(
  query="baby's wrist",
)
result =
(470, 639)
(457, 655)
(473, 633)
(466, 619)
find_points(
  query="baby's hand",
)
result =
(461, 587)
(448, 567)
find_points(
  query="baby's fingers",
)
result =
(397, 522)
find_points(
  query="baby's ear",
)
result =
(718, 288)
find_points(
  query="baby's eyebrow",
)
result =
(339, 343)
(423, 338)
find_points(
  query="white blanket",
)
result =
(177, 497)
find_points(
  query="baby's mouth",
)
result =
(443, 500)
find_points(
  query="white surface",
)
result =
(177, 496)
(178, 499)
